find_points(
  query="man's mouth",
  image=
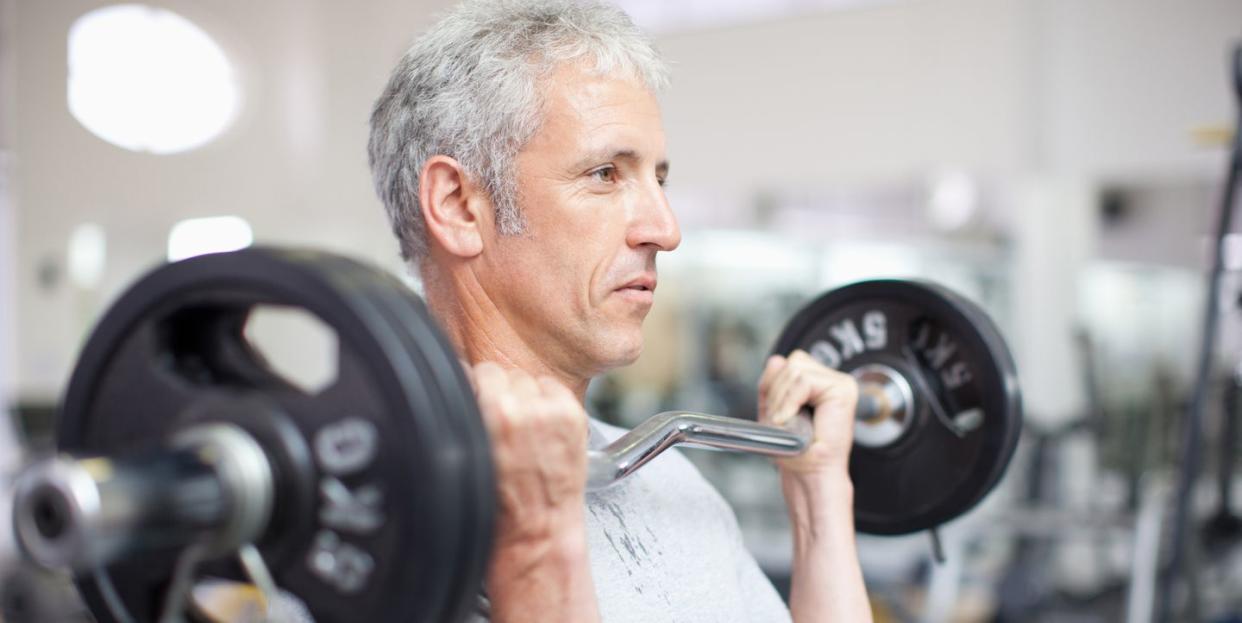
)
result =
(642, 283)
(640, 290)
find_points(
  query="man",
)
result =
(519, 152)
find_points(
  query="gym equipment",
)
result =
(369, 501)
(935, 458)
(1225, 527)
(1192, 437)
(188, 462)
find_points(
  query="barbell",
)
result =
(186, 461)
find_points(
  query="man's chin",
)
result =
(620, 360)
(619, 353)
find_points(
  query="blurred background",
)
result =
(1060, 162)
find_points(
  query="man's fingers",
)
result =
(491, 388)
(553, 388)
(770, 370)
(803, 382)
(790, 386)
(793, 395)
(524, 386)
(489, 370)
(504, 394)
(563, 401)
(800, 356)
(778, 377)
(776, 389)
(490, 379)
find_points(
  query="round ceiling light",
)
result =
(149, 80)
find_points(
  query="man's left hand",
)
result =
(827, 583)
(789, 384)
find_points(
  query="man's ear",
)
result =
(452, 207)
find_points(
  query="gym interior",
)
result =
(1065, 168)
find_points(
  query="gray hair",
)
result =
(467, 89)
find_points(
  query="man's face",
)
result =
(578, 283)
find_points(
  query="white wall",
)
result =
(1006, 88)
(1128, 80)
(1028, 92)
(844, 98)
(8, 235)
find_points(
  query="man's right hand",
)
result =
(538, 433)
(539, 439)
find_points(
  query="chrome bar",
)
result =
(883, 394)
(660, 432)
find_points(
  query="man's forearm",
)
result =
(827, 580)
(544, 579)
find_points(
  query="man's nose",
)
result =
(655, 224)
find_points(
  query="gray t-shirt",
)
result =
(666, 548)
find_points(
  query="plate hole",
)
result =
(296, 345)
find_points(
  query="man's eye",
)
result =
(662, 181)
(605, 174)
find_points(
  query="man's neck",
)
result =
(481, 331)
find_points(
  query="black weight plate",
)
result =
(480, 498)
(173, 343)
(939, 467)
(453, 390)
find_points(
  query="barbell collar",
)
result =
(885, 405)
(213, 483)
